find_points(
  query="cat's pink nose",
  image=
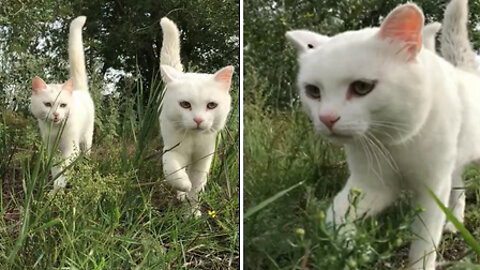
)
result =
(329, 119)
(55, 114)
(198, 120)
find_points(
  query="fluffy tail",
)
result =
(455, 45)
(170, 53)
(429, 33)
(76, 54)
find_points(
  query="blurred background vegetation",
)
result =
(117, 212)
(284, 228)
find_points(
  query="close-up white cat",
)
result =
(407, 118)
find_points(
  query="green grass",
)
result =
(118, 212)
(286, 230)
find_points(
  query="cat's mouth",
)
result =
(56, 120)
(339, 137)
(203, 130)
(199, 129)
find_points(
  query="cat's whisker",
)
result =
(375, 160)
(389, 126)
(385, 133)
(384, 152)
(368, 154)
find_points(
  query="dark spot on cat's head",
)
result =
(310, 46)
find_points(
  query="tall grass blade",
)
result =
(459, 226)
(270, 200)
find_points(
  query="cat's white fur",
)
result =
(417, 129)
(189, 134)
(66, 106)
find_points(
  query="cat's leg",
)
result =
(67, 150)
(373, 197)
(198, 172)
(59, 182)
(174, 169)
(87, 140)
(428, 226)
(457, 199)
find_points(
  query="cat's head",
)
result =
(51, 102)
(367, 82)
(195, 101)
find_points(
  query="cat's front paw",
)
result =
(59, 183)
(337, 222)
(181, 184)
(197, 213)
(449, 227)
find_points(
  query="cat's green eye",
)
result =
(312, 91)
(211, 105)
(185, 104)
(63, 105)
(361, 88)
(47, 104)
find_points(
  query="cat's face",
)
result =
(367, 84)
(197, 102)
(51, 102)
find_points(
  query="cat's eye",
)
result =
(63, 105)
(361, 88)
(47, 104)
(312, 91)
(185, 104)
(211, 105)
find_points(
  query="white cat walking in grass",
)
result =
(195, 107)
(66, 110)
(408, 119)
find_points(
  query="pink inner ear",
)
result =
(68, 85)
(38, 85)
(224, 75)
(404, 24)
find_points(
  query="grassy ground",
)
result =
(281, 150)
(117, 212)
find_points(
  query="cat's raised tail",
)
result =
(76, 54)
(170, 52)
(455, 45)
(429, 33)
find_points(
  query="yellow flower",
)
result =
(211, 213)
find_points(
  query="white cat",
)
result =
(408, 119)
(68, 106)
(195, 107)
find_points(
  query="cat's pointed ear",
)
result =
(170, 74)
(224, 76)
(38, 85)
(68, 85)
(404, 25)
(304, 40)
